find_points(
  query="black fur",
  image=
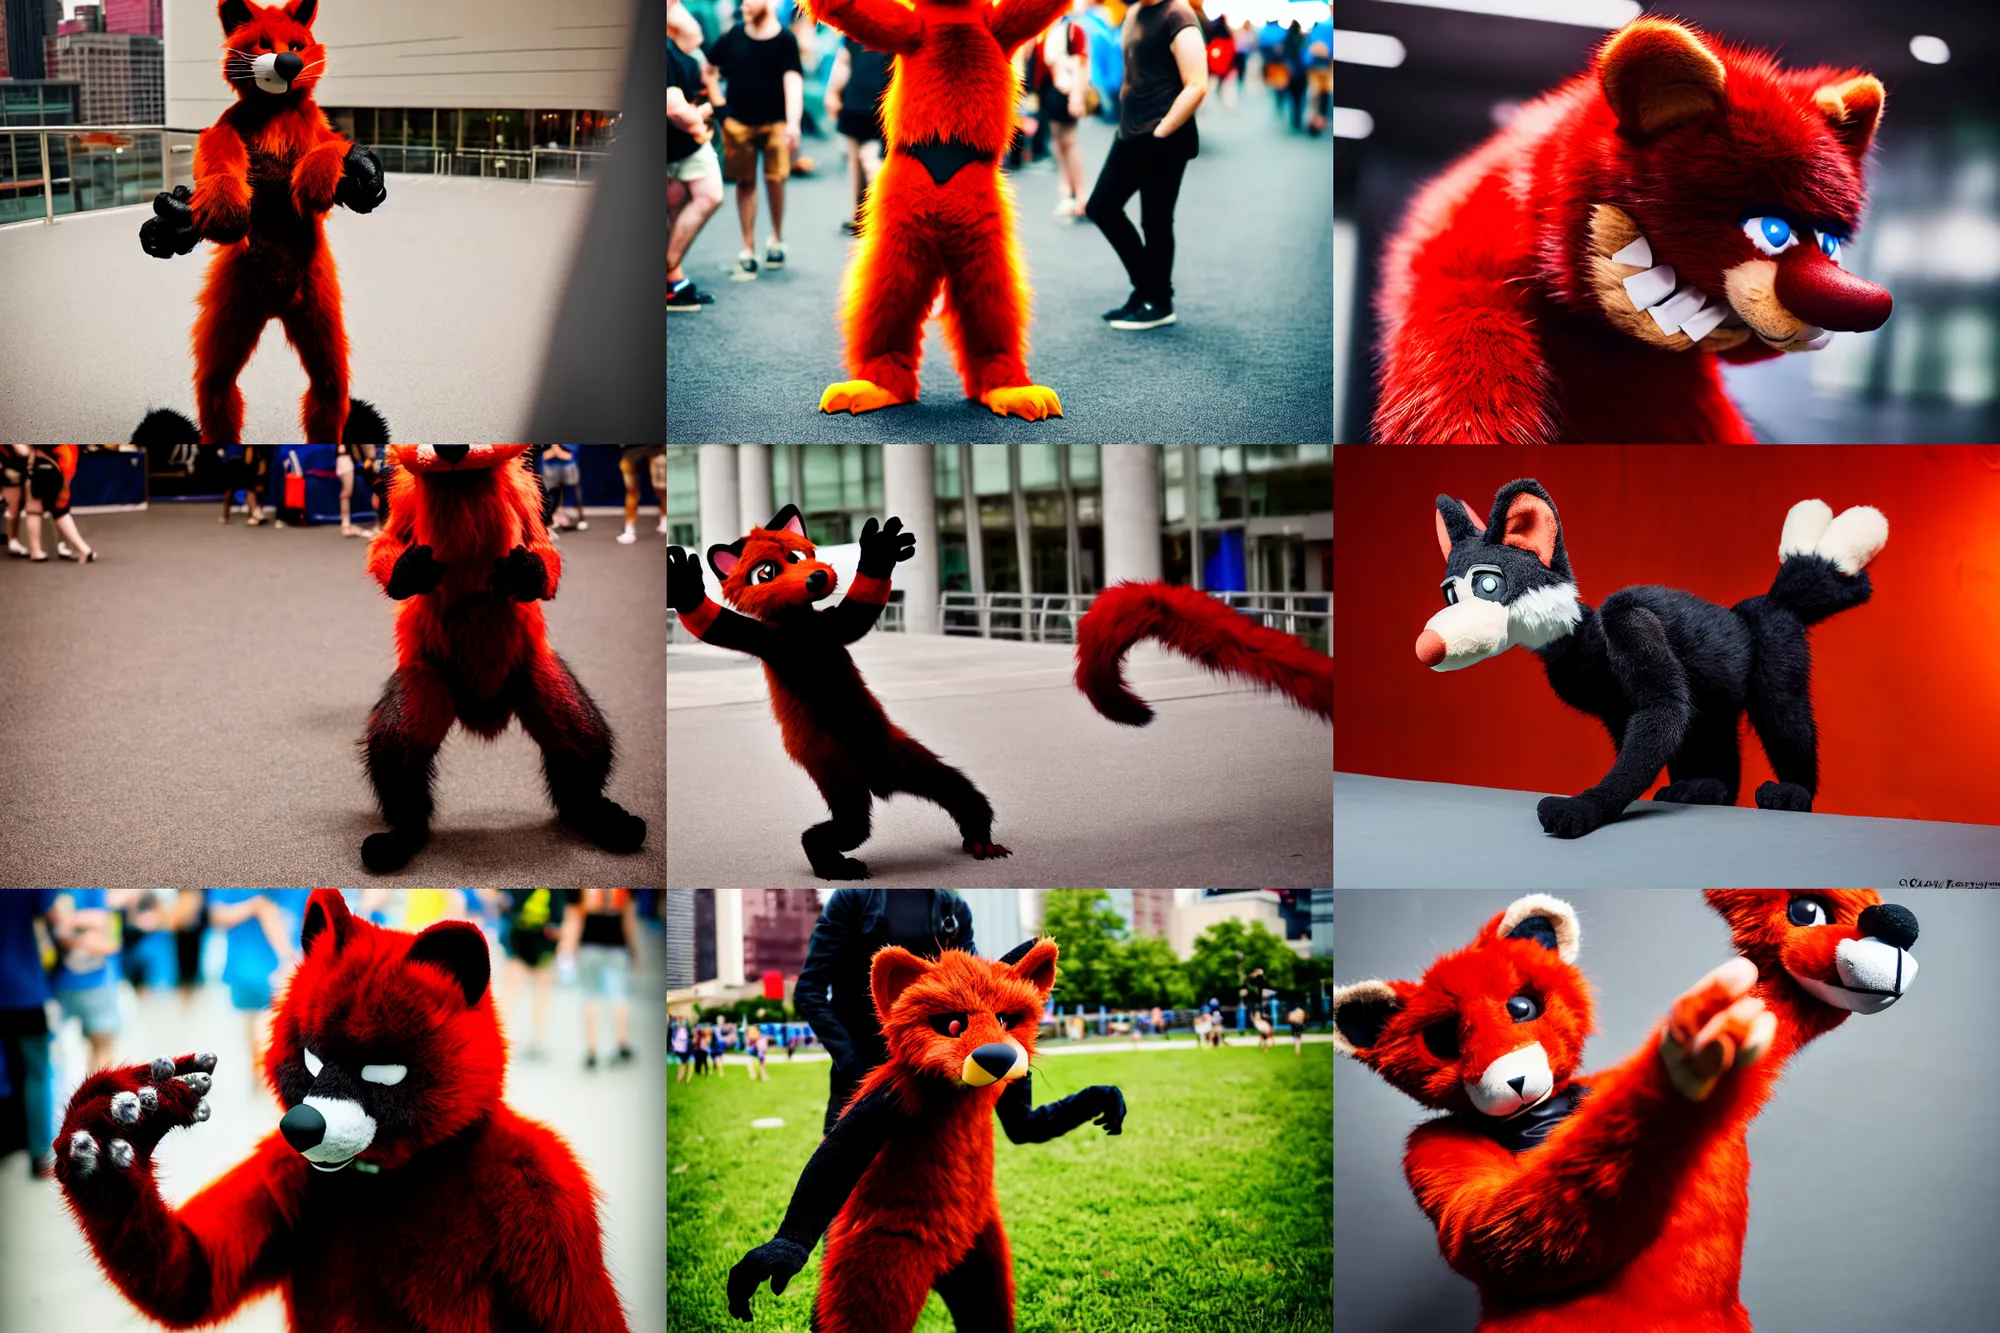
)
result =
(1669, 674)
(401, 769)
(364, 424)
(165, 426)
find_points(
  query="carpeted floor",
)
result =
(184, 713)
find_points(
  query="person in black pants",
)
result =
(1166, 76)
(833, 993)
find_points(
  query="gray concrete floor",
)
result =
(1394, 834)
(184, 712)
(450, 292)
(612, 1118)
(1250, 359)
(1227, 788)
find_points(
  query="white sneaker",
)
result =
(663, 524)
(65, 550)
(627, 537)
(15, 548)
(583, 525)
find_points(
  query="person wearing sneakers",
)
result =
(344, 458)
(1059, 71)
(629, 463)
(51, 468)
(694, 176)
(854, 99)
(759, 60)
(1166, 76)
(13, 483)
(560, 475)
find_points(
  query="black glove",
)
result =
(519, 575)
(415, 572)
(684, 590)
(1111, 1113)
(882, 551)
(778, 1260)
(170, 231)
(361, 187)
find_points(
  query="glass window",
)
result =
(364, 125)
(989, 469)
(947, 470)
(853, 476)
(822, 481)
(392, 125)
(422, 128)
(552, 129)
(951, 516)
(1038, 466)
(447, 128)
(510, 130)
(1049, 548)
(1084, 464)
(683, 492)
(478, 131)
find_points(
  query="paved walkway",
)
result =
(1250, 359)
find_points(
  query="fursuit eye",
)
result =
(765, 572)
(1808, 912)
(387, 1075)
(313, 1063)
(1008, 1020)
(1441, 1038)
(1829, 245)
(1523, 1009)
(795, 556)
(1450, 593)
(948, 1025)
(1487, 584)
(1771, 235)
(298, 46)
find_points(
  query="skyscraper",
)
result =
(141, 17)
(28, 23)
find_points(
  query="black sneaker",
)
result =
(1132, 303)
(774, 256)
(746, 267)
(624, 1056)
(688, 297)
(590, 1060)
(1145, 315)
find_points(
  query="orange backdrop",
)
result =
(1906, 689)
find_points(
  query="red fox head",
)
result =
(453, 457)
(1830, 952)
(962, 1019)
(1496, 1027)
(1718, 189)
(772, 571)
(270, 49)
(384, 1043)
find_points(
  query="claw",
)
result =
(161, 1069)
(121, 1154)
(201, 1111)
(83, 1151)
(125, 1108)
(205, 1062)
(149, 1098)
(197, 1083)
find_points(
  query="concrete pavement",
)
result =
(1227, 788)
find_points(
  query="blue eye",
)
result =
(1771, 235)
(1829, 245)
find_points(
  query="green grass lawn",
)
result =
(1213, 1211)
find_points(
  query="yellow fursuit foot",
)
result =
(856, 397)
(1032, 402)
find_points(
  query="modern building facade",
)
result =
(23, 37)
(1273, 907)
(120, 75)
(777, 928)
(1032, 518)
(134, 16)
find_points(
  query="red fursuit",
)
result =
(399, 1191)
(1578, 275)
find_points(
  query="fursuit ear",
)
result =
(458, 948)
(890, 973)
(1037, 966)
(1549, 922)
(1853, 108)
(722, 559)
(1360, 1013)
(788, 519)
(1656, 74)
(302, 11)
(234, 14)
(1455, 523)
(326, 914)
(1524, 516)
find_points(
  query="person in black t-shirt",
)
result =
(600, 939)
(759, 59)
(853, 98)
(694, 176)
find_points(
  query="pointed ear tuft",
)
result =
(890, 973)
(1549, 922)
(326, 911)
(1455, 523)
(302, 11)
(234, 14)
(789, 520)
(723, 559)
(1853, 108)
(458, 948)
(1656, 74)
(1360, 1013)
(1037, 966)
(1532, 526)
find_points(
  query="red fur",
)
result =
(1195, 625)
(952, 81)
(479, 1217)
(1631, 1214)
(927, 1204)
(1490, 330)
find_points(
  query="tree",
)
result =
(1148, 974)
(1229, 952)
(1087, 930)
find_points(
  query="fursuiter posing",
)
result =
(1616, 1200)
(398, 1191)
(1668, 673)
(833, 725)
(1579, 276)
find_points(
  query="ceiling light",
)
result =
(1367, 48)
(1930, 50)
(1351, 122)
(1586, 13)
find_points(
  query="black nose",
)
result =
(1517, 1084)
(996, 1058)
(303, 1127)
(1890, 924)
(816, 583)
(453, 454)
(289, 66)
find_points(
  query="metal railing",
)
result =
(89, 167)
(555, 166)
(1052, 617)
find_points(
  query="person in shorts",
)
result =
(654, 458)
(694, 174)
(345, 457)
(681, 1046)
(1059, 72)
(532, 919)
(13, 484)
(260, 927)
(759, 61)
(51, 469)
(600, 932)
(560, 475)
(854, 91)
(86, 933)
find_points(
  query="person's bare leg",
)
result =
(66, 525)
(631, 472)
(511, 978)
(35, 529)
(590, 1026)
(100, 1050)
(346, 500)
(746, 212)
(544, 983)
(775, 190)
(857, 176)
(621, 1023)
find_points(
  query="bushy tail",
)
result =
(1823, 557)
(1196, 626)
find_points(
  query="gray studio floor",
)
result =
(611, 1116)
(184, 713)
(1394, 834)
(1226, 788)
(449, 291)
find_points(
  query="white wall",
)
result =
(546, 55)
